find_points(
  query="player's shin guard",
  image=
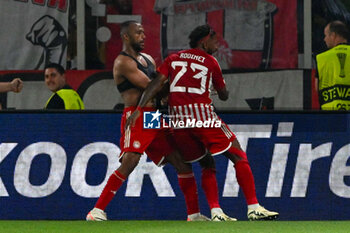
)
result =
(244, 176)
(113, 184)
(188, 186)
(210, 187)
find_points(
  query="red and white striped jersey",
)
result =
(191, 75)
(201, 112)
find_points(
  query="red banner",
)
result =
(253, 33)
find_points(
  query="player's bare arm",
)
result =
(163, 93)
(149, 93)
(152, 89)
(126, 68)
(150, 58)
(223, 93)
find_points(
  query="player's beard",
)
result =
(137, 47)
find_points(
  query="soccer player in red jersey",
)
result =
(191, 75)
(132, 72)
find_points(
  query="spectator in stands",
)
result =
(333, 68)
(63, 97)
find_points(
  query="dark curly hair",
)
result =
(199, 33)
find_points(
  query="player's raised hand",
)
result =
(132, 119)
(16, 85)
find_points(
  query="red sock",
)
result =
(210, 187)
(245, 180)
(188, 186)
(113, 184)
(244, 176)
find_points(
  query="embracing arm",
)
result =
(223, 93)
(219, 82)
(127, 68)
(152, 89)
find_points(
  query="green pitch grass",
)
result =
(173, 227)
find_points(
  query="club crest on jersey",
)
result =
(136, 144)
(151, 120)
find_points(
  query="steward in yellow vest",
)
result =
(333, 68)
(64, 97)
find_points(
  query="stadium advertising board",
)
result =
(54, 166)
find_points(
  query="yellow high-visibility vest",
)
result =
(71, 99)
(334, 78)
